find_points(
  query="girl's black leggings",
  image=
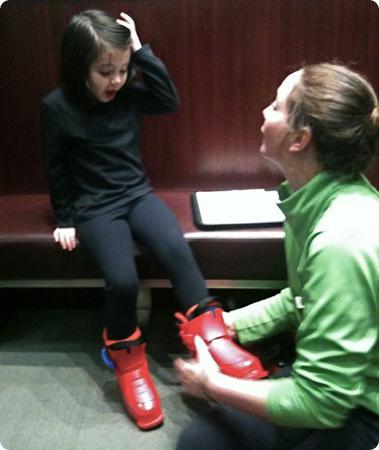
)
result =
(109, 239)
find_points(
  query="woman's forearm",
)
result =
(245, 395)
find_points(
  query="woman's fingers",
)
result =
(204, 357)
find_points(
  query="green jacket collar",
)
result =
(305, 206)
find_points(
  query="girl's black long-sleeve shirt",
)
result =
(91, 153)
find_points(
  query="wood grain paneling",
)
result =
(226, 57)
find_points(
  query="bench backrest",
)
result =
(226, 57)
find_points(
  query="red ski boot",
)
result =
(209, 325)
(137, 387)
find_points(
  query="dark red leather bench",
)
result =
(238, 258)
(211, 143)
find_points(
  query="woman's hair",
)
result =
(341, 108)
(86, 35)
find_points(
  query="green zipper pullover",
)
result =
(332, 303)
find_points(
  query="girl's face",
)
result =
(108, 74)
(275, 129)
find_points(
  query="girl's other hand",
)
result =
(66, 237)
(128, 23)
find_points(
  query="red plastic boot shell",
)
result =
(139, 393)
(232, 359)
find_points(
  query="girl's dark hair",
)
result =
(86, 35)
(341, 108)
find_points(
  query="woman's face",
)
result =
(108, 74)
(275, 129)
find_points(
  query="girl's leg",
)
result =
(108, 240)
(155, 225)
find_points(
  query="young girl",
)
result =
(102, 196)
(321, 131)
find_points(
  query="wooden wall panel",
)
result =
(226, 57)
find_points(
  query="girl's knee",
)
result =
(122, 285)
(175, 249)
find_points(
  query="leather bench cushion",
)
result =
(27, 249)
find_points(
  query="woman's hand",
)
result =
(194, 374)
(66, 237)
(202, 378)
(128, 23)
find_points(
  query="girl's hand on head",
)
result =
(194, 374)
(127, 22)
(66, 237)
